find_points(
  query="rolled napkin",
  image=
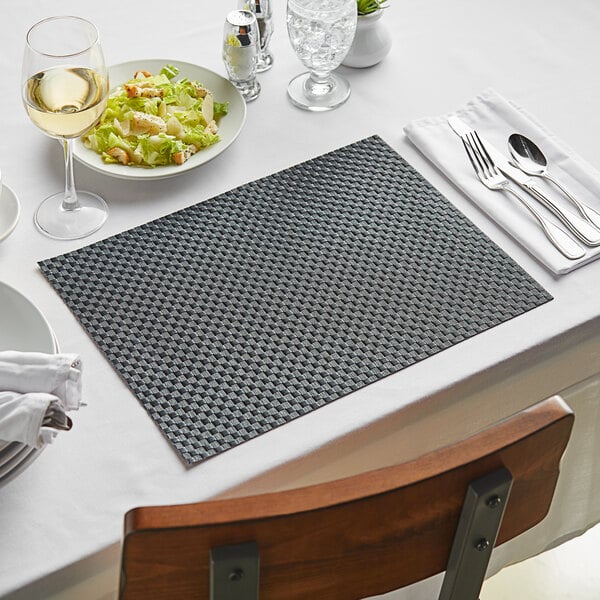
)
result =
(36, 391)
(23, 417)
(57, 374)
(495, 118)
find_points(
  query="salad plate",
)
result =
(229, 126)
(9, 211)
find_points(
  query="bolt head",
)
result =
(494, 501)
(482, 544)
(236, 575)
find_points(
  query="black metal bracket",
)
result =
(234, 572)
(476, 535)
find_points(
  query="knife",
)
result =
(579, 227)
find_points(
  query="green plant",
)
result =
(366, 7)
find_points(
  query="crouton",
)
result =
(180, 157)
(137, 91)
(199, 90)
(119, 155)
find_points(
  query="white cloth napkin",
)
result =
(22, 416)
(32, 383)
(58, 374)
(495, 118)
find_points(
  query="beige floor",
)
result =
(569, 572)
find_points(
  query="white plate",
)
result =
(22, 327)
(9, 211)
(10, 468)
(25, 460)
(9, 452)
(229, 126)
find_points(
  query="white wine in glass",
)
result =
(65, 87)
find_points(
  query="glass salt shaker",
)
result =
(240, 52)
(264, 17)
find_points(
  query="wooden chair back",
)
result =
(355, 537)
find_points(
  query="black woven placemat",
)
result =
(238, 314)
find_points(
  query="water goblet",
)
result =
(321, 33)
(240, 52)
(264, 17)
(64, 89)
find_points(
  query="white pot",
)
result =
(372, 41)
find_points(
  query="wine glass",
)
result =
(321, 33)
(65, 86)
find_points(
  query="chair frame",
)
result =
(362, 535)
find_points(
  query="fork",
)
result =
(493, 179)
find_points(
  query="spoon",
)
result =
(531, 160)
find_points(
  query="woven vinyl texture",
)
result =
(243, 312)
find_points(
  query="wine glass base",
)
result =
(336, 94)
(56, 222)
(264, 63)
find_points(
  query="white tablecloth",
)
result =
(61, 520)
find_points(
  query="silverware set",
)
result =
(56, 418)
(497, 172)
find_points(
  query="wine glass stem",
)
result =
(70, 201)
(319, 83)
